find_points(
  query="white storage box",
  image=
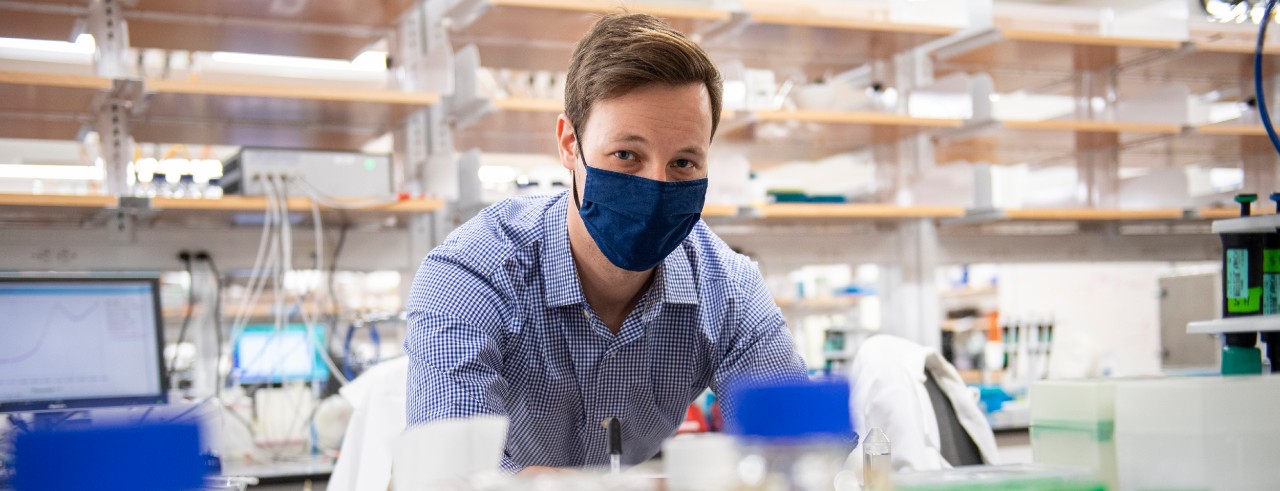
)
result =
(1212, 433)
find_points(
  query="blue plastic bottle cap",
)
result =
(794, 410)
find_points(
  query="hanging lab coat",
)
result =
(378, 397)
(889, 393)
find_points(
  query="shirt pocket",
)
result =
(675, 378)
(549, 393)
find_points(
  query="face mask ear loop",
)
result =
(574, 175)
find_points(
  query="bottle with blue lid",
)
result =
(795, 436)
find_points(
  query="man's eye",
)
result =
(624, 155)
(684, 164)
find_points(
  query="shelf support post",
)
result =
(910, 294)
(115, 142)
(111, 37)
(1097, 154)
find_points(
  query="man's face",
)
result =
(657, 131)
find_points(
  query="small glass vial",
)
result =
(877, 461)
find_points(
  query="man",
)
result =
(612, 299)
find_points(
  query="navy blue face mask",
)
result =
(635, 221)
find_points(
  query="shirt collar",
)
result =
(559, 275)
(674, 275)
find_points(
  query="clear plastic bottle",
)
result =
(214, 190)
(159, 186)
(795, 437)
(186, 188)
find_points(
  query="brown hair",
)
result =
(625, 51)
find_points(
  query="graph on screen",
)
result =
(77, 340)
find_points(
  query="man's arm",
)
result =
(760, 346)
(456, 318)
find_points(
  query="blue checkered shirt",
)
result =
(498, 325)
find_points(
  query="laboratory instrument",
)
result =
(1243, 317)
(80, 342)
(263, 354)
(334, 174)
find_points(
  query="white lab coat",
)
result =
(889, 393)
(378, 396)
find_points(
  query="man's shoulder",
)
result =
(498, 232)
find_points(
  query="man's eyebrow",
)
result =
(692, 150)
(633, 138)
(630, 138)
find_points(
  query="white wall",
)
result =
(1107, 315)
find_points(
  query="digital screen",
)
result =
(264, 354)
(79, 343)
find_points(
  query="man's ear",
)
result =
(566, 142)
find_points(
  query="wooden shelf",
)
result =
(258, 203)
(1218, 213)
(502, 33)
(1082, 39)
(776, 35)
(231, 89)
(315, 29)
(63, 208)
(56, 201)
(552, 106)
(830, 303)
(856, 211)
(845, 23)
(1093, 215)
(1080, 126)
(1232, 129)
(984, 291)
(605, 6)
(1054, 142)
(716, 210)
(794, 37)
(858, 118)
(48, 106)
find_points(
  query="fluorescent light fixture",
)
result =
(371, 60)
(84, 45)
(365, 64)
(51, 172)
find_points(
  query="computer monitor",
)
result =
(75, 343)
(264, 355)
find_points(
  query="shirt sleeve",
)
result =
(455, 325)
(761, 348)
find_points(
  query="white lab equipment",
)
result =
(378, 398)
(1073, 424)
(700, 462)
(1211, 433)
(448, 453)
(921, 404)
